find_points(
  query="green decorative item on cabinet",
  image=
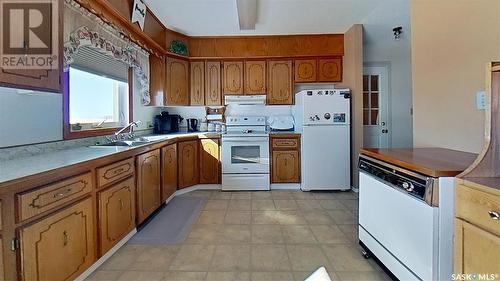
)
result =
(178, 47)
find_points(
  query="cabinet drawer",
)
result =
(34, 202)
(114, 172)
(475, 206)
(285, 143)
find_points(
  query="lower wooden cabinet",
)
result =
(168, 171)
(286, 167)
(59, 247)
(148, 184)
(210, 167)
(188, 163)
(116, 213)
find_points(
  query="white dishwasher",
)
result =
(399, 224)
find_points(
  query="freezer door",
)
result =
(326, 157)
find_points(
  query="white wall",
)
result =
(380, 48)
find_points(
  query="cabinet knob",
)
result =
(494, 215)
(65, 238)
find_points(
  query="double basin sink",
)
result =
(133, 142)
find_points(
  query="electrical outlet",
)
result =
(481, 100)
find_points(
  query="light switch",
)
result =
(481, 100)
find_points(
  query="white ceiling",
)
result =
(219, 17)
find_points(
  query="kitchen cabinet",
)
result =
(232, 77)
(116, 213)
(197, 79)
(38, 79)
(285, 161)
(60, 246)
(255, 77)
(210, 166)
(177, 82)
(188, 163)
(148, 184)
(305, 70)
(279, 81)
(330, 70)
(114, 172)
(213, 91)
(156, 80)
(168, 171)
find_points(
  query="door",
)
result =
(156, 79)
(197, 79)
(169, 171)
(188, 164)
(286, 166)
(213, 90)
(59, 247)
(116, 213)
(376, 125)
(255, 77)
(305, 71)
(242, 155)
(210, 161)
(232, 76)
(177, 75)
(280, 84)
(148, 184)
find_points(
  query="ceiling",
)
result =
(220, 17)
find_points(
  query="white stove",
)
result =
(245, 154)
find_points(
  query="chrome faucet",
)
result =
(130, 126)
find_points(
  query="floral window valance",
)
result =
(84, 29)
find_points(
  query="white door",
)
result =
(376, 107)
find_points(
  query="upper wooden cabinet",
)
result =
(148, 184)
(213, 92)
(232, 77)
(177, 82)
(116, 213)
(59, 247)
(330, 70)
(210, 167)
(279, 81)
(156, 79)
(188, 163)
(197, 79)
(255, 77)
(168, 171)
(37, 79)
(305, 70)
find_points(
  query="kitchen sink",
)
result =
(125, 143)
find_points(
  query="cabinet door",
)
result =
(476, 250)
(286, 167)
(156, 79)
(305, 71)
(210, 170)
(232, 76)
(188, 163)
(213, 93)
(148, 184)
(280, 85)
(59, 247)
(169, 171)
(116, 213)
(330, 70)
(255, 77)
(39, 79)
(197, 79)
(177, 82)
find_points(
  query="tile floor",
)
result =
(274, 235)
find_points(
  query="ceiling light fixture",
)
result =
(247, 14)
(397, 32)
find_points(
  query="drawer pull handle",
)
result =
(117, 171)
(121, 203)
(65, 238)
(60, 194)
(494, 215)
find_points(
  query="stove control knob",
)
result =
(408, 186)
(327, 116)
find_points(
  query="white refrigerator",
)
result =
(323, 118)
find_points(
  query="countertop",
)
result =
(491, 182)
(284, 133)
(433, 162)
(32, 165)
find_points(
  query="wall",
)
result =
(353, 79)
(380, 49)
(452, 40)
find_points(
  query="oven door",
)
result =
(245, 155)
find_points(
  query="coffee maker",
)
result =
(192, 124)
(165, 123)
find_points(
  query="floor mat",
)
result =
(172, 224)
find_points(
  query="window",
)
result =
(370, 100)
(96, 101)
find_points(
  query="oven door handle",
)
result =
(245, 139)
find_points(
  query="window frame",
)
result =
(68, 134)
